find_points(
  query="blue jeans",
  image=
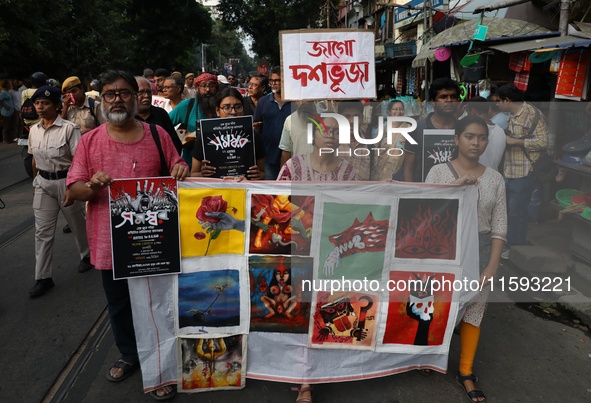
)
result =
(120, 316)
(519, 191)
(271, 171)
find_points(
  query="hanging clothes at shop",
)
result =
(573, 75)
(520, 64)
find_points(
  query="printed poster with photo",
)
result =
(212, 363)
(438, 147)
(144, 227)
(281, 224)
(228, 143)
(278, 300)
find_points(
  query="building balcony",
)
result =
(401, 49)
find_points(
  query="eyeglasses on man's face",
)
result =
(277, 81)
(254, 85)
(228, 108)
(111, 96)
(144, 93)
(204, 86)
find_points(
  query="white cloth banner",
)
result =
(386, 233)
(327, 64)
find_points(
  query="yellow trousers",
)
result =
(469, 336)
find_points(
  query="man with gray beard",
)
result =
(124, 147)
(146, 112)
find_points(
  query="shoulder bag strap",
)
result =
(163, 167)
(189, 108)
(92, 105)
(531, 130)
(452, 169)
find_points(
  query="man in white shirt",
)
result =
(294, 137)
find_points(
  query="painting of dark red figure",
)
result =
(427, 229)
(281, 224)
(278, 301)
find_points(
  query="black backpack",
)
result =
(28, 110)
(91, 103)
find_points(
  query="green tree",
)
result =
(61, 37)
(166, 33)
(263, 19)
(226, 44)
(85, 37)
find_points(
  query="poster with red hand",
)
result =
(144, 227)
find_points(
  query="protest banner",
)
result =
(161, 102)
(327, 279)
(327, 64)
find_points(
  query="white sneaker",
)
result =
(505, 254)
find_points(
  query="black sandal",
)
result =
(473, 394)
(126, 367)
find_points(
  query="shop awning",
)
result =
(394, 61)
(560, 42)
(461, 34)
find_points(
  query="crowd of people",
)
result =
(81, 140)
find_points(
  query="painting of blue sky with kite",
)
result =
(209, 301)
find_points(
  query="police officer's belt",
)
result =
(52, 176)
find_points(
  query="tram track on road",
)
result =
(62, 384)
(14, 185)
(18, 230)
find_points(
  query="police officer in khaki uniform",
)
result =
(52, 142)
(77, 107)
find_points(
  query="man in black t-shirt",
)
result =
(444, 94)
(146, 112)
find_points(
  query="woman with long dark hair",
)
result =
(228, 103)
(471, 139)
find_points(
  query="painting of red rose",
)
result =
(212, 220)
(211, 204)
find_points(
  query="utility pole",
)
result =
(499, 5)
(203, 63)
(564, 16)
(425, 41)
